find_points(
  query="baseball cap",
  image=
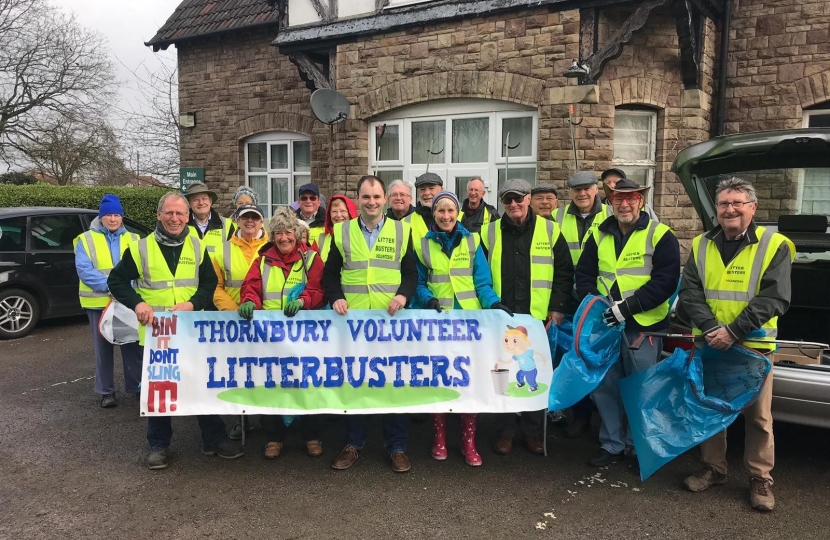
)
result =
(618, 172)
(309, 187)
(248, 209)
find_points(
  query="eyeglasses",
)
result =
(308, 198)
(737, 205)
(252, 217)
(399, 195)
(632, 200)
(507, 200)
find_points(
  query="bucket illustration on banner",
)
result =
(501, 378)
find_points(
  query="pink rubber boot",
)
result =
(439, 443)
(468, 440)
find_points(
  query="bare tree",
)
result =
(50, 67)
(152, 122)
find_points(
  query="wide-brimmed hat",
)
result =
(627, 185)
(199, 187)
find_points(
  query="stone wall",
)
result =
(239, 85)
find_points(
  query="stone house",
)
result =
(445, 83)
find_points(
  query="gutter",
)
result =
(724, 66)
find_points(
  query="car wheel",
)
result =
(19, 313)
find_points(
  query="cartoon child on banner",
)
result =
(518, 345)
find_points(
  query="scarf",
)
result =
(166, 239)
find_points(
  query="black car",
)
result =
(37, 264)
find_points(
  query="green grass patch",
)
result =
(345, 398)
(513, 390)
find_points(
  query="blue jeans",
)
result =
(395, 431)
(529, 376)
(160, 431)
(607, 396)
(131, 356)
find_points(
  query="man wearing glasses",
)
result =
(634, 262)
(400, 200)
(736, 280)
(532, 273)
(311, 212)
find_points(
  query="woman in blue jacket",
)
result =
(449, 246)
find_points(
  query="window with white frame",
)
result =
(635, 145)
(814, 187)
(458, 139)
(276, 165)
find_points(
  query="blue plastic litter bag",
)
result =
(595, 349)
(687, 398)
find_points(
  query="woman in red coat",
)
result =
(283, 265)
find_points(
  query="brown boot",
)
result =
(504, 445)
(314, 448)
(400, 463)
(704, 479)
(760, 495)
(345, 458)
(534, 445)
(273, 450)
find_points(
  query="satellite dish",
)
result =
(329, 106)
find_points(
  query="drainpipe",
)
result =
(724, 66)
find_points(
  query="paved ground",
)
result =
(69, 469)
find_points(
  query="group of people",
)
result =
(382, 252)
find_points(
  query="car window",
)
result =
(55, 233)
(134, 227)
(13, 234)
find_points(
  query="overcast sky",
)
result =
(126, 24)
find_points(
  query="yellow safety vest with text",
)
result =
(370, 279)
(275, 286)
(156, 285)
(231, 259)
(97, 249)
(729, 288)
(545, 235)
(570, 228)
(632, 269)
(451, 278)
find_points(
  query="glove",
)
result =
(246, 310)
(292, 307)
(434, 304)
(616, 314)
(499, 305)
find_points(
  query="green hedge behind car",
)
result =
(140, 203)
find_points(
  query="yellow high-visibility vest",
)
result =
(632, 269)
(545, 235)
(418, 226)
(97, 249)
(275, 286)
(213, 238)
(729, 288)
(231, 259)
(159, 288)
(451, 279)
(370, 279)
(324, 246)
(570, 228)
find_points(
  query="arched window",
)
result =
(459, 139)
(276, 165)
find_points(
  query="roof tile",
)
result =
(194, 18)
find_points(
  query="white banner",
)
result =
(418, 361)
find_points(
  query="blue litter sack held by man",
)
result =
(595, 349)
(687, 398)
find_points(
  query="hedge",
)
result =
(140, 203)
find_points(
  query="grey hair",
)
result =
(284, 219)
(396, 183)
(171, 195)
(737, 184)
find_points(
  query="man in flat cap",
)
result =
(427, 186)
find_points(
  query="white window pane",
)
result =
(302, 156)
(387, 139)
(390, 176)
(815, 194)
(260, 186)
(632, 137)
(428, 142)
(279, 156)
(256, 157)
(641, 175)
(279, 191)
(470, 140)
(461, 186)
(525, 173)
(521, 133)
(300, 180)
